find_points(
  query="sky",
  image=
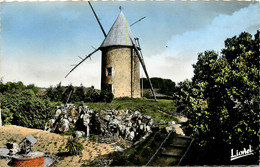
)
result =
(41, 40)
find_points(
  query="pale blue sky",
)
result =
(39, 41)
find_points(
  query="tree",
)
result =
(33, 88)
(165, 86)
(92, 95)
(79, 94)
(222, 100)
(66, 96)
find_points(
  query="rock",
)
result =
(58, 112)
(15, 148)
(150, 123)
(49, 126)
(171, 123)
(147, 117)
(121, 113)
(122, 129)
(141, 127)
(148, 129)
(128, 118)
(162, 123)
(129, 124)
(85, 108)
(119, 118)
(90, 111)
(182, 119)
(127, 131)
(74, 121)
(110, 112)
(126, 112)
(71, 126)
(86, 119)
(137, 113)
(118, 148)
(65, 116)
(178, 129)
(107, 117)
(169, 129)
(131, 136)
(79, 134)
(115, 112)
(114, 122)
(144, 128)
(63, 125)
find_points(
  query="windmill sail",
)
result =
(82, 61)
(144, 68)
(97, 19)
(137, 21)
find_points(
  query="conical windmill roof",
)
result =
(119, 34)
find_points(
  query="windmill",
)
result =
(121, 54)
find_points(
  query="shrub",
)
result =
(106, 96)
(26, 109)
(74, 147)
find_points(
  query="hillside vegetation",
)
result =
(30, 107)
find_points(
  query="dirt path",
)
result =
(51, 143)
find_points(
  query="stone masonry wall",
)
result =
(122, 61)
(126, 124)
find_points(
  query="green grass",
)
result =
(145, 106)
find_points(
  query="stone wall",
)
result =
(125, 77)
(126, 124)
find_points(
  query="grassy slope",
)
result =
(145, 106)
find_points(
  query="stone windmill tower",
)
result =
(121, 55)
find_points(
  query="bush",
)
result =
(74, 147)
(106, 96)
(26, 109)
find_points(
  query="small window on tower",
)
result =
(109, 71)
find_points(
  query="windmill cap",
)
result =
(119, 34)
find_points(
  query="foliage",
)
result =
(70, 132)
(26, 109)
(106, 96)
(74, 146)
(222, 100)
(74, 94)
(92, 95)
(165, 86)
(16, 87)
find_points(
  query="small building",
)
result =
(26, 144)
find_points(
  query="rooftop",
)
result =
(119, 34)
